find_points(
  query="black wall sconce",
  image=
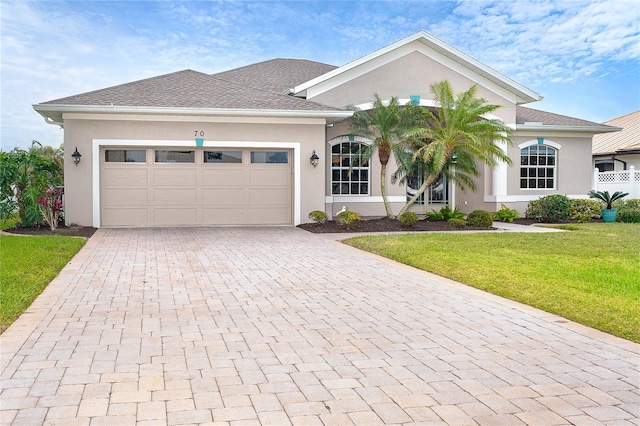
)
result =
(314, 159)
(76, 157)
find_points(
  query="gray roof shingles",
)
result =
(528, 115)
(191, 89)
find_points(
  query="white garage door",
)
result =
(195, 186)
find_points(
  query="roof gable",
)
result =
(426, 41)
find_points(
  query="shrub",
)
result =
(505, 214)
(457, 223)
(582, 210)
(408, 219)
(348, 219)
(445, 213)
(606, 198)
(481, 218)
(632, 203)
(628, 215)
(318, 216)
(549, 209)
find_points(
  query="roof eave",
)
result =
(53, 113)
(559, 128)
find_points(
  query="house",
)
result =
(265, 144)
(620, 150)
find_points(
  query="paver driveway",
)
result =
(271, 326)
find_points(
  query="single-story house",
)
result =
(265, 144)
(620, 150)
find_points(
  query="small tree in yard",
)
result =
(457, 134)
(25, 176)
(385, 125)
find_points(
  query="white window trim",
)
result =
(97, 144)
(340, 140)
(536, 142)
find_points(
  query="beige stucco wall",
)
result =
(574, 166)
(81, 131)
(410, 75)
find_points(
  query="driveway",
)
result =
(279, 326)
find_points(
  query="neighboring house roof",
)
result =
(523, 94)
(277, 75)
(533, 119)
(625, 141)
(189, 90)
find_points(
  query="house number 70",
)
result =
(199, 133)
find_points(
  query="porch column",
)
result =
(499, 174)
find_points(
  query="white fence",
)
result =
(625, 181)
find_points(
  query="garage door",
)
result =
(187, 187)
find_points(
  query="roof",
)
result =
(189, 89)
(523, 94)
(190, 92)
(529, 118)
(626, 140)
(276, 75)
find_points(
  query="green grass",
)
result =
(589, 274)
(27, 265)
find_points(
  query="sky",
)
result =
(582, 56)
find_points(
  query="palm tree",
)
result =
(456, 135)
(385, 126)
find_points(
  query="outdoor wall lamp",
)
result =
(76, 157)
(314, 159)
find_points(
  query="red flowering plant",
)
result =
(50, 206)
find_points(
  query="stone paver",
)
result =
(279, 326)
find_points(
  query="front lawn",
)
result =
(27, 265)
(589, 274)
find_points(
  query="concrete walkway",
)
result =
(279, 326)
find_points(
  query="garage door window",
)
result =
(269, 157)
(125, 156)
(228, 157)
(167, 156)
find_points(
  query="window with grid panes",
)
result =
(349, 172)
(538, 167)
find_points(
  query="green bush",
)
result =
(505, 214)
(408, 219)
(445, 213)
(457, 223)
(348, 219)
(481, 218)
(632, 203)
(583, 210)
(628, 215)
(549, 209)
(318, 216)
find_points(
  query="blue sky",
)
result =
(582, 56)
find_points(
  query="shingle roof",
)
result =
(277, 75)
(190, 89)
(527, 115)
(628, 139)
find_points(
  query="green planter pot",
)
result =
(609, 215)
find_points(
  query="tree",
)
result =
(24, 178)
(457, 134)
(385, 125)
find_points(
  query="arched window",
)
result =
(538, 166)
(349, 172)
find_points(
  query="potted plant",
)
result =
(608, 214)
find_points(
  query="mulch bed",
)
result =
(384, 225)
(68, 231)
